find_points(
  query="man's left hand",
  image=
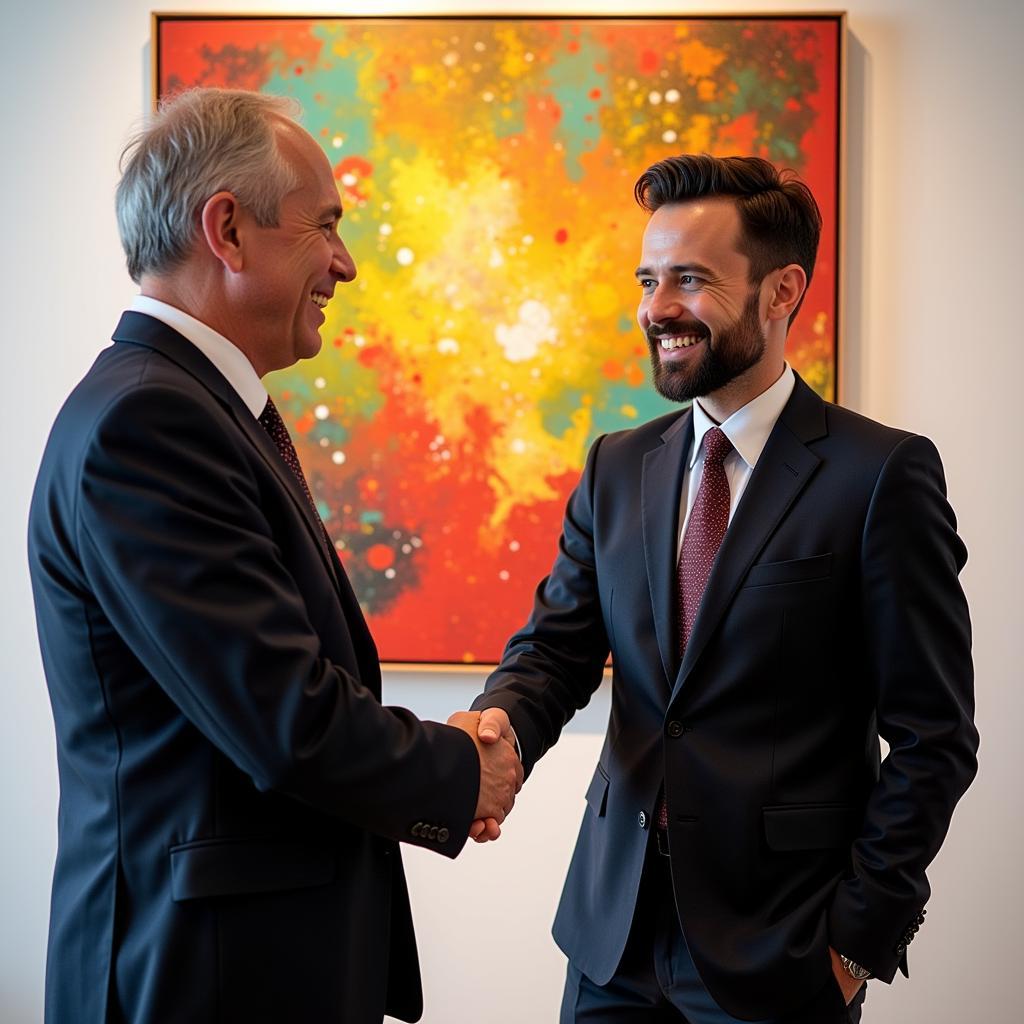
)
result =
(848, 986)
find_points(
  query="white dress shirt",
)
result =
(748, 429)
(232, 362)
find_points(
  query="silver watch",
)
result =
(854, 970)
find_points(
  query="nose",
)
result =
(342, 265)
(661, 305)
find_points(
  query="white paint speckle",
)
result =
(405, 256)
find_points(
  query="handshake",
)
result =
(501, 771)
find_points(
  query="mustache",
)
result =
(676, 327)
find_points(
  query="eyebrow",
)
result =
(678, 268)
(335, 212)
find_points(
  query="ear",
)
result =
(220, 220)
(784, 295)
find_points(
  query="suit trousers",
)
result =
(657, 982)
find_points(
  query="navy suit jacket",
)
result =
(833, 615)
(232, 790)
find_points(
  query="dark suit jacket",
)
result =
(833, 614)
(232, 790)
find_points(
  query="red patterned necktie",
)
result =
(705, 529)
(270, 420)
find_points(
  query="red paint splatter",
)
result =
(573, 46)
(304, 424)
(595, 94)
(353, 165)
(648, 62)
(561, 236)
(380, 557)
(298, 69)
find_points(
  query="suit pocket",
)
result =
(809, 826)
(597, 792)
(231, 867)
(796, 570)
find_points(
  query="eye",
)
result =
(690, 282)
(646, 283)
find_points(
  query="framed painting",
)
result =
(486, 167)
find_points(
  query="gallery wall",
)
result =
(934, 211)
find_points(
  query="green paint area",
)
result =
(556, 410)
(343, 375)
(645, 400)
(572, 78)
(342, 108)
(330, 431)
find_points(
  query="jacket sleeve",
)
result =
(553, 665)
(182, 560)
(918, 638)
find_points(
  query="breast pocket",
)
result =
(795, 570)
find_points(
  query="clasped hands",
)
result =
(501, 771)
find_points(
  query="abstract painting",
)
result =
(486, 167)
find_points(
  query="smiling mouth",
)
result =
(319, 299)
(673, 341)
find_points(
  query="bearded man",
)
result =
(776, 579)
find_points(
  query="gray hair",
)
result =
(199, 143)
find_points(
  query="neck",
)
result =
(195, 295)
(721, 404)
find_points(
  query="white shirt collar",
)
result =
(747, 428)
(225, 355)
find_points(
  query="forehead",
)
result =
(310, 163)
(704, 230)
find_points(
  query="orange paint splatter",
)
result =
(634, 375)
(612, 369)
(595, 94)
(648, 62)
(561, 236)
(304, 424)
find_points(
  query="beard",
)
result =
(732, 352)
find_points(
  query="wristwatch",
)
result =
(854, 970)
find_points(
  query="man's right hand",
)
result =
(501, 777)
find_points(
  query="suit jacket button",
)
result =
(432, 833)
(901, 949)
(417, 828)
(641, 819)
(443, 835)
(675, 729)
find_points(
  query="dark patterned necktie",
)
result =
(705, 529)
(270, 420)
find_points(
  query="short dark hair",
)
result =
(780, 220)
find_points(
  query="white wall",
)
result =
(932, 345)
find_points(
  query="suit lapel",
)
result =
(661, 484)
(140, 329)
(781, 473)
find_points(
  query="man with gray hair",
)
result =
(232, 790)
